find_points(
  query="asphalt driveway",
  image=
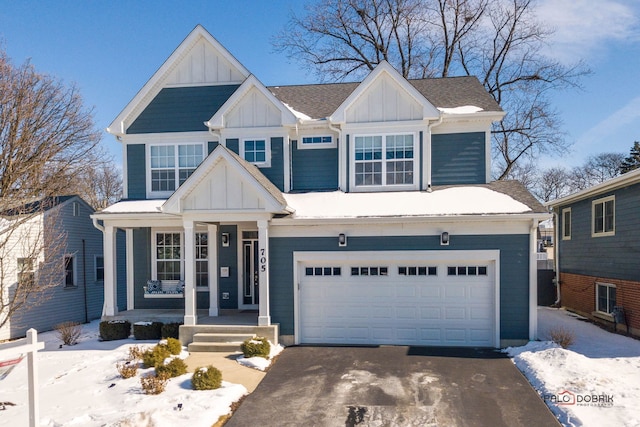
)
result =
(392, 386)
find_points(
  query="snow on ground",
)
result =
(594, 382)
(260, 363)
(80, 386)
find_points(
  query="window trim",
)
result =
(603, 202)
(395, 187)
(566, 213)
(176, 167)
(316, 145)
(73, 271)
(267, 150)
(597, 305)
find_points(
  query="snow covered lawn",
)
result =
(595, 382)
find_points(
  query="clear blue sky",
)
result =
(111, 48)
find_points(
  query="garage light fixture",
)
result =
(342, 240)
(225, 240)
(444, 238)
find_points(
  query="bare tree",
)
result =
(596, 169)
(552, 184)
(47, 136)
(499, 41)
(100, 182)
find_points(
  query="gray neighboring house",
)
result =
(80, 294)
(598, 244)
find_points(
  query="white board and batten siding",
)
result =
(401, 298)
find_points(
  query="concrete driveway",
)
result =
(392, 386)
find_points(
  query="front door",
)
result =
(250, 284)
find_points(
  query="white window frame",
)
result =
(603, 201)
(76, 208)
(267, 150)
(73, 271)
(154, 249)
(176, 166)
(204, 261)
(396, 187)
(608, 287)
(566, 213)
(316, 145)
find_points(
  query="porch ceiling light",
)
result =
(342, 240)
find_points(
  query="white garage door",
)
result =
(414, 302)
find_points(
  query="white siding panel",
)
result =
(253, 110)
(203, 64)
(384, 100)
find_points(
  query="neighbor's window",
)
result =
(605, 298)
(168, 251)
(99, 268)
(202, 259)
(320, 141)
(566, 224)
(69, 271)
(171, 165)
(384, 160)
(255, 151)
(25, 271)
(604, 216)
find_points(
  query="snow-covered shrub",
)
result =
(258, 346)
(209, 378)
(155, 357)
(561, 336)
(135, 353)
(69, 332)
(153, 383)
(127, 369)
(147, 330)
(115, 330)
(174, 368)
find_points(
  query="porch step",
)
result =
(218, 342)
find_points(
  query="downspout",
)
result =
(429, 127)
(556, 257)
(84, 281)
(96, 225)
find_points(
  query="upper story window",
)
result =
(384, 160)
(566, 224)
(171, 165)
(603, 216)
(256, 151)
(316, 141)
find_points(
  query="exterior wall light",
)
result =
(225, 240)
(444, 238)
(342, 240)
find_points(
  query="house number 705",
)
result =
(263, 260)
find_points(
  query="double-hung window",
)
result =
(168, 256)
(384, 160)
(69, 271)
(603, 216)
(26, 275)
(605, 297)
(171, 165)
(202, 259)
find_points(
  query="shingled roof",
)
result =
(319, 101)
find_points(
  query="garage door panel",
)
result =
(406, 309)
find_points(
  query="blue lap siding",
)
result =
(514, 271)
(458, 158)
(314, 169)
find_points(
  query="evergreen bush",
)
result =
(147, 330)
(156, 356)
(171, 330)
(209, 378)
(115, 330)
(174, 368)
(258, 346)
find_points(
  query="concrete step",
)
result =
(221, 337)
(215, 347)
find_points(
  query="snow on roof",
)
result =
(298, 114)
(135, 206)
(465, 109)
(448, 201)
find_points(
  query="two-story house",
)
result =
(351, 213)
(52, 243)
(597, 244)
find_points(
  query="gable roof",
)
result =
(41, 205)
(624, 180)
(319, 101)
(155, 84)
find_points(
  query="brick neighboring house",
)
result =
(598, 244)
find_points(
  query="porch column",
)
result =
(130, 276)
(264, 317)
(110, 307)
(212, 248)
(190, 313)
